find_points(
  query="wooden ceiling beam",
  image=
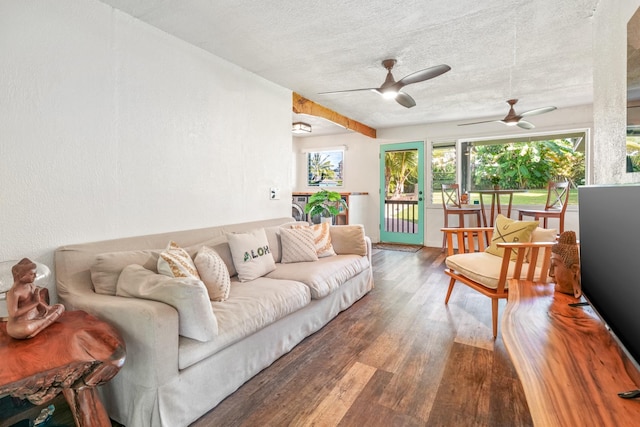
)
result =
(302, 105)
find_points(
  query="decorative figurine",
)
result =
(27, 304)
(565, 264)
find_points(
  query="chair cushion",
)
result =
(481, 267)
(507, 230)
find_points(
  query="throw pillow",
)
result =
(322, 238)
(251, 254)
(214, 273)
(176, 262)
(507, 230)
(107, 267)
(298, 245)
(542, 235)
(348, 239)
(188, 296)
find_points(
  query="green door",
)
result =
(402, 193)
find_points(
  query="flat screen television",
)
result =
(610, 259)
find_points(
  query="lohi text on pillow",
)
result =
(174, 261)
(507, 230)
(298, 245)
(214, 273)
(251, 254)
(188, 296)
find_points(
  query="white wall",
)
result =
(111, 128)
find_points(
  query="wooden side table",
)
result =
(570, 367)
(72, 356)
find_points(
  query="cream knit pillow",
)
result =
(321, 238)
(298, 245)
(214, 273)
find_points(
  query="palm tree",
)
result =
(319, 168)
(400, 167)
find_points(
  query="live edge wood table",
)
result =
(72, 355)
(570, 367)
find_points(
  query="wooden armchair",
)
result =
(488, 273)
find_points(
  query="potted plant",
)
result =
(495, 180)
(326, 204)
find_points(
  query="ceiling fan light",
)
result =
(389, 94)
(511, 123)
(300, 127)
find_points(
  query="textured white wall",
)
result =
(110, 128)
(609, 91)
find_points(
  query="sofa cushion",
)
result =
(251, 254)
(213, 273)
(348, 239)
(298, 245)
(176, 262)
(250, 307)
(187, 295)
(322, 276)
(273, 237)
(507, 230)
(107, 267)
(321, 238)
(481, 267)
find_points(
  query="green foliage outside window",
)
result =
(526, 165)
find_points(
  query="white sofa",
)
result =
(170, 380)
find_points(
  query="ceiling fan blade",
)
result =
(525, 125)
(405, 100)
(422, 75)
(477, 123)
(348, 90)
(537, 111)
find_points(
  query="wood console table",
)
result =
(72, 355)
(570, 367)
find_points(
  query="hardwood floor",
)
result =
(398, 357)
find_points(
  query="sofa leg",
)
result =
(451, 283)
(494, 316)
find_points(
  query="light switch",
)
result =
(274, 193)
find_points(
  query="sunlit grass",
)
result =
(529, 197)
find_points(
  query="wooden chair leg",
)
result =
(444, 235)
(494, 316)
(451, 283)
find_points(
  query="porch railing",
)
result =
(400, 216)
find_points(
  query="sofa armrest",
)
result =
(149, 329)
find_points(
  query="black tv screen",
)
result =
(610, 258)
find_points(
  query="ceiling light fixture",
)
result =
(300, 127)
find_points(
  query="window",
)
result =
(325, 168)
(443, 168)
(524, 163)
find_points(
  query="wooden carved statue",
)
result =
(27, 304)
(565, 264)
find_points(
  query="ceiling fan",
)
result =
(513, 119)
(392, 89)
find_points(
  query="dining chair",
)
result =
(452, 206)
(555, 207)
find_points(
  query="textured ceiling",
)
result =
(539, 51)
